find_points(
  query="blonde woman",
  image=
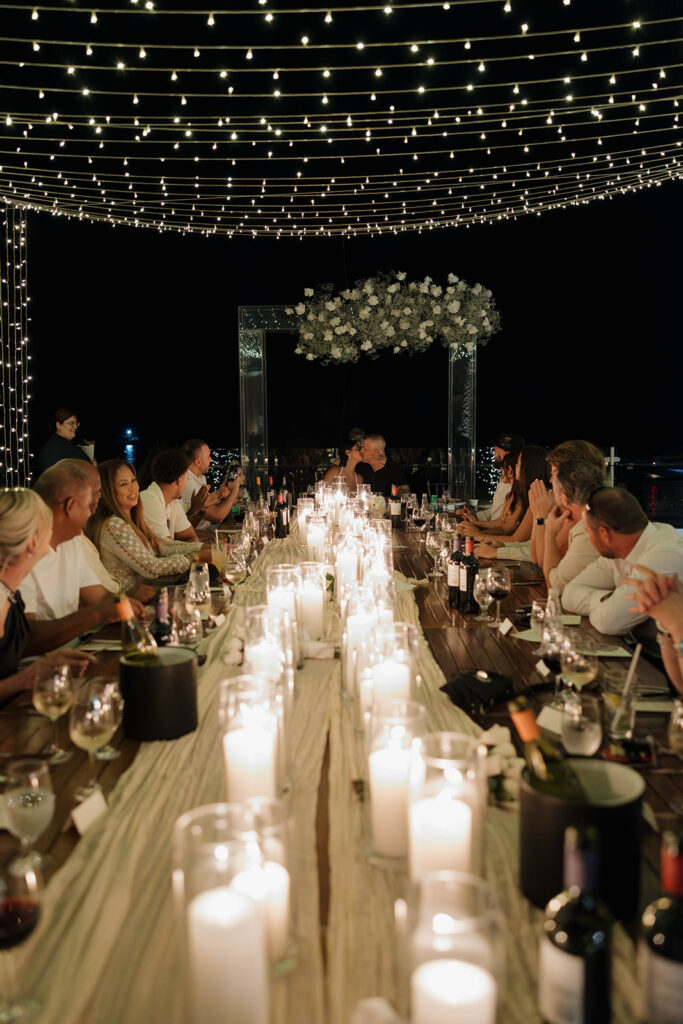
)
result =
(128, 548)
(25, 530)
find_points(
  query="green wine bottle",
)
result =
(549, 772)
(137, 644)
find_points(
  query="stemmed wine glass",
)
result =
(198, 590)
(483, 597)
(19, 915)
(92, 723)
(552, 648)
(536, 621)
(579, 661)
(53, 695)
(498, 582)
(187, 620)
(433, 545)
(235, 572)
(109, 752)
(29, 806)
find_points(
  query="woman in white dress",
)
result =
(349, 457)
(128, 548)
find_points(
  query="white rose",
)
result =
(390, 331)
(471, 329)
(328, 336)
(424, 288)
(392, 288)
(477, 289)
(404, 324)
(366, 346)
(396, 312)
(335, 352)
(407, 311)
(423, 335)
(453, 306)
(308, 292)
(310, 316)
(340, 330)
(436, 290)
(397, 348)
(289, 311)
(470, 346)
(310, 355)
(373, 300)
(450, 291)
(364, 313)
(401, 275)
(351, 330)
(436, 310)
(335, 320)
(454, 344)
(452, 279)
(461, 286)
(308, 335)
(368, 287)
(404, 344)
(301, 309)
(298, 350)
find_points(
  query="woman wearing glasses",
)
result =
(61, 444)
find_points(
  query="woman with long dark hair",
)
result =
(516, 522)
(349, 457)
(128, 548)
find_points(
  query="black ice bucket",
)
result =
(160, 699)
(615, 795)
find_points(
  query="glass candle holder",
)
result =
(223, 929)
(359, 619)
(346, 562)
(251, 714)
(391, 731)
(264, 650)
(316, 537)
(448, 804)
(392, 671)
(456, 952)
(305, 507)
(312, 600)
(283, 588)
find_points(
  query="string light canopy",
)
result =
(353, 119)
(14, 356)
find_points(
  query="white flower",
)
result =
(486, 325)
(454, 344)
(423, 334)
(335, 320)
(477, 289)
(364, 313)
(366, 346)
(300, 308)
(452, 279)
(470, 346)
(350, 329)
(407, 311)
(373, 300)
(401, 275)
(471, 329)
(298, 350)
(453, 306)
(436, 290)
(307, 335)
(308, 292)
(341, 329)
(436, 310)
(390, 331)
(289, 311)
(404, 324)
(404, 344)
(424, 288)
(450, 290)
(330, 305)
(310, 355)
(335, 352)
(392, 288)
(310, 316)
(396, 312)
(369, 287)
(462, 286)
(328, 336)
(397, 348)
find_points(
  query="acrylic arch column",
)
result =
(254, 322)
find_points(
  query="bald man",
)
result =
(380, 471)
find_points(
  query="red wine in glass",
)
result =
(18, 917)
(553, 660)
(499, 593)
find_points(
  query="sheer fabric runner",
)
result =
(106, 950)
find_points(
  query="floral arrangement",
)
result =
(388, 313)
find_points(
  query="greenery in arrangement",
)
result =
(389, 314)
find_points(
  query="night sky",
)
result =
(137, 329)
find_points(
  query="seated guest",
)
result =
(660, 597)
(573, 485)
(378, 470)
(202, 505)
(347, 468)
(163, 509)
(515, 523)
(505, 453)
(62, 596)
(542, 502)
(61, 444)
(128, 548)
(623, 538)
(25, 531)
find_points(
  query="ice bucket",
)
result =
(160, 698)
(615, 795)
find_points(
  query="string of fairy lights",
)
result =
(14, 355)
(353, 119)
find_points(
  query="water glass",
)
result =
(579, 660)
(581, 729)
(29, 806)
(620, 713)
(198, 590)
(187, 619)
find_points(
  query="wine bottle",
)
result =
(454, 564)
(271, 494)
(136, 643)
(548, 772)
(162, 627)
(258, 497)
(660, 950)
(286, 497)
(469, 567)
(281, 517)
(574, 953)
(395, 508)
(404, 509)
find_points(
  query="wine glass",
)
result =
(581, 728)
(53, 695)
(483, 598)
(187, 620)
(19, 915)
(109, 752)
(198, 590)
(92, 723)
(552, 648)
(579, 661)
(498, 582)
(433, 545)
(29, 805)
(536, 621)
(220, 599)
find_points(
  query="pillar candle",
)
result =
(264, 657)
(443, 991)
(268, 884)
(440, 835)
(250, 759)
(391, 679)
(389, 772)
(227, 959)
(312, 611)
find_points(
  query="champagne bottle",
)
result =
(548, 772)
(574, 953)
(469, 567)
(395, 508)
(136, 643)
(162, 627)
(454, 564)
(660, 950)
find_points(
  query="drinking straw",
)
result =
(628, 686)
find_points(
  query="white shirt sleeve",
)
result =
(155, 514)
(580, 554)
(188, 493)
(179, 521)
(588, 588)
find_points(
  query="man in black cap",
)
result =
(505, 445)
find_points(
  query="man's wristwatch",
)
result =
(540, 521)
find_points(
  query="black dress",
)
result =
(13, 640)
(57, 448)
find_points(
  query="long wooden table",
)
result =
(106, 948)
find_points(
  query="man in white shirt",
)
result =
(573, 485)
(62, 595)
(506, 444)
(203, 506)
(621, 534)
(164, 512)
